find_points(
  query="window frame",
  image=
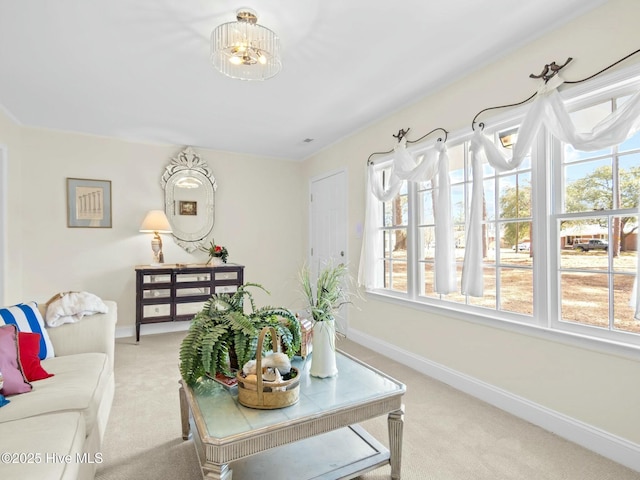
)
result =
(545, 320)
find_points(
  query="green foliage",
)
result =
(329, 293)
(222, 327)
(515, 203)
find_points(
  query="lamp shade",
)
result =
(155, 221)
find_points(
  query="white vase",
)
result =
(323, 355)
(216, 262)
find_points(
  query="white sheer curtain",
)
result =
(434, 166)
(548, 110)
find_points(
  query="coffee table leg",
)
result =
(184, 413)
(396, 424)
(216, 472)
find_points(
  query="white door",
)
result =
(328, 225)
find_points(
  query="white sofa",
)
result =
(56, 430)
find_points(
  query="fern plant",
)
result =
(222, 332)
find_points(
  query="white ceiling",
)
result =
(140, 69)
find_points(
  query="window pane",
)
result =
(515, 196)
(622, 309)
(428, 243)
(626, 260)
(457, 203)
(489, 298)
(456, 163)
(588, 186)
(585, 120)
(396, 243)
(629, 168)
(516, 290)
(587, 242)
(585, 298)
(395, 275)
(516, 240)
(427, 280)
(489, 199)
(425, 199)
(396, 211)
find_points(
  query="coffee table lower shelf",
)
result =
(340, 454)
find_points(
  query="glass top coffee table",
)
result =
(317, 438)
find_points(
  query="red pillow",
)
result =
(29, 348)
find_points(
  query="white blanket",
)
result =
(70, 307)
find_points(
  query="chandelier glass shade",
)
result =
(244, 49)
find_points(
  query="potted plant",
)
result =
(222, 337)
(324, 298)
(217, 253)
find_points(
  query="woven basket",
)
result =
(268, 395)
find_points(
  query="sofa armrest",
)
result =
(94, 333)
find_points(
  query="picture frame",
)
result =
(88, 203)
(188, 207)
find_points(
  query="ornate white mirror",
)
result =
(189, 199)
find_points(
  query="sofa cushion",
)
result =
(79, 384)
(29, 346)
(14, 381)
(43, 447)
(28, 318)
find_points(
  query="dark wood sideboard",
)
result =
(173, 293)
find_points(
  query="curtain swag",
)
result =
(547, 110)
(433, 167)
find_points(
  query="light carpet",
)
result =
(448, 435)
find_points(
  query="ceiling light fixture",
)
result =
(244, 49)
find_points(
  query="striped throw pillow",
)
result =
(27, 318)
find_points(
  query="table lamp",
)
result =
(156, 222)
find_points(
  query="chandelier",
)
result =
(244, 49)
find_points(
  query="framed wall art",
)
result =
(188, 207)
(88, 203)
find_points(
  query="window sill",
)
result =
(595, 344)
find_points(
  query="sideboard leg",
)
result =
(396, 426)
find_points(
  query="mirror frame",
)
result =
(189, 160)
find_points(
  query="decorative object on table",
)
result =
(306, 336)
(217, 254)
(268, 387)
(88, 203)
(222, 337)
(245, 50)
(324, 298)
(156, 222)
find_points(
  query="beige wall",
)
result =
(256, 218)
(597, 388)
(11, 142)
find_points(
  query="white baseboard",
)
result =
(610, 446)
(152, 329)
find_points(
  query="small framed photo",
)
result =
(188, 207)
(88, 203)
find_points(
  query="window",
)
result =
(597, 227)
(559, 232)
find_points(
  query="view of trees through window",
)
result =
(590, 232)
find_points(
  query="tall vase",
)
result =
(323, 355)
